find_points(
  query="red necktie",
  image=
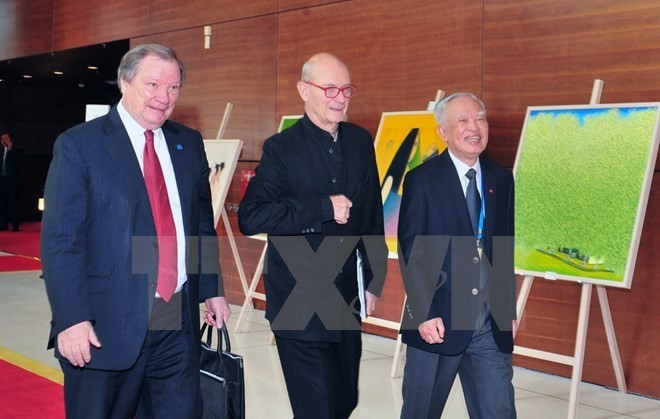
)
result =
(160, 206)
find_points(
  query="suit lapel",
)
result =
(181, 167)
(490, 193)
(120, 150)
(454, 190)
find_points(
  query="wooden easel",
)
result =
(251, 292)
(223, 213)
(577, 360)
(395, 372)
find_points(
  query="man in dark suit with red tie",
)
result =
(129, 250)
(456, 255)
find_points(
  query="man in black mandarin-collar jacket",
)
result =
(316, 194)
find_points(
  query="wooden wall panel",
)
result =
(77, 24)
(302, 4)
(170, 15)
(549, 53)
(240, 69)
(397, 52)
(25, 27)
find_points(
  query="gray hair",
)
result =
(129, 63)
(307, 70)
(441, 106)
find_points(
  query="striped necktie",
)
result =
(473, 199)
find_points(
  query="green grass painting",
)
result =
(583, 174)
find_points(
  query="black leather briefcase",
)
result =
(221, 378)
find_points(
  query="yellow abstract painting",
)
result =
(404, 141)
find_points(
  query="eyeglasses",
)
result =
(332, 92)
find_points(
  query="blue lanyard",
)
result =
(482, 216)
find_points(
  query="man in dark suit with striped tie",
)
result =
(456, 255)
(129, 250)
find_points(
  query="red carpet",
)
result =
(24, 394)
(23, 247)
(18, 263)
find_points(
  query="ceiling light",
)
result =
(58, 73)
(27, 76)
(92, 67)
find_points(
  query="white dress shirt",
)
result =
(462, 168)
(136, 134)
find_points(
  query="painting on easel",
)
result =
(583, 175)
(404, 141)
(222, 156)
(287, 121)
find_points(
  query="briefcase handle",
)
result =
(223, 335)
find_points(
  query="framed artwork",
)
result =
(287, 121)
(583, 175)
(222, 156)
(404, 141)
(94, 111)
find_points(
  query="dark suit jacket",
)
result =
(13, 162)
(440, 272)
(286, 199)
(95, 262)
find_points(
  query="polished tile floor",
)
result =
(24, 317)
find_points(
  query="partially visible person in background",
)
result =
(10, 182)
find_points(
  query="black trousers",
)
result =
(321, 377)
(163, 383)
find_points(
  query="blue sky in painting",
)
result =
(582, 114)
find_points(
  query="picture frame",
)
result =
(222, 156)
(583, 176)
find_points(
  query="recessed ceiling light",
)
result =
(27, 76)
(92, 67)
(59, 73)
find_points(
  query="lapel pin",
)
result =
(179, 147)
(490, 190)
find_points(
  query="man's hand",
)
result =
(217, 311)
(342, 208)
(370, 303)
(432, 331)
(73, 343)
